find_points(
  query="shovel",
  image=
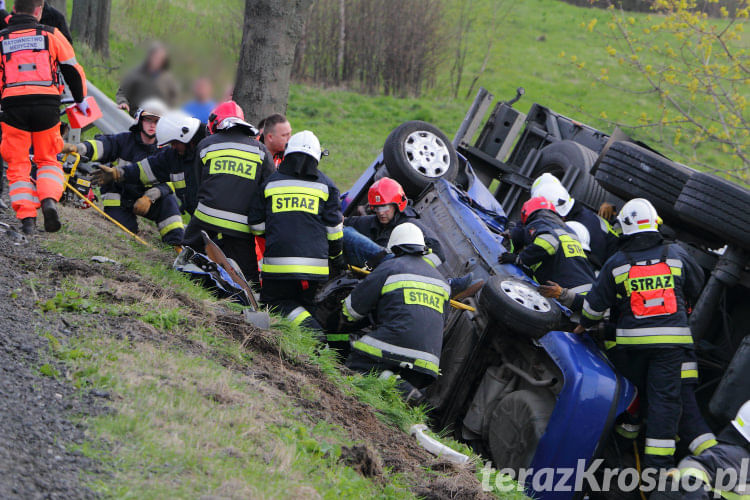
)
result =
(261, 319)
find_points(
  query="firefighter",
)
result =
(720, 471)
(30, 58)
(366, 236)
(692, 428)
(602, 238)
(407, 298)
(553, 254)
(647, 283)
(125, 201)
(175, 164)
(300, 215)
(234, 165)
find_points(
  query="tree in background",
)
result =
(699, 68)
(90, 23)
(270, 33)
(61, 5)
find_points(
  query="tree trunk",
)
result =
(61, 5)
(90, 23)
(270, 33)
(342, 41)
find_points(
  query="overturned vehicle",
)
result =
(513, 384)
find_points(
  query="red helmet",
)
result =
(386, 191)
(533, 205)
(227, 115)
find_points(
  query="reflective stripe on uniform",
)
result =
(628, 431)
(549, 243)
(702, 443)
(661, 447)
(170, 224)
(178, 180)
(380, 349)
(258, 229)
(146, 174)
(295, 265)
(689, 370)
(69, 62)
(51, 172)
(298, 315)
(294, 186)
(44, 83)
(97, 147)
(335, 232)
(337, 337)
(657, 335)
(581, 288)
(23, 197)
(349, 312)
(397, 281)
(591, 313)
(433, 259)
(222, 218)
(219, 146)
(111, 199)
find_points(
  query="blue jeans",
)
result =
(358, 248)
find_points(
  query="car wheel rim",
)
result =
(525, 295)
(427, 153)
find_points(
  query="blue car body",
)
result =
(592, 395)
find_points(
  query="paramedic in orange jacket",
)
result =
(30, 56)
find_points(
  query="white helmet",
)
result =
(304, 142)
(742, 421)
(582, 233)
(556, 194)
(638, 216)
(406, 234)
(176, 126)
(543, 180)
(151, 107)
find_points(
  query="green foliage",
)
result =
(49, 371)
(68, 300)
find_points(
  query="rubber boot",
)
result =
(28, 225)
(51, 218)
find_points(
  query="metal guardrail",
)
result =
(113, 120)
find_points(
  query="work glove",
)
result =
(607, 211)
(142, 205)
(507, 258)
(107, 175)
(337, 265)
(83, 107)
(551, 290)
(375, 260)
(73, 148)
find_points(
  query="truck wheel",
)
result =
(570, 160)
(517, 305)
(630, 171)
(517, 424)
(717, 206)
(417, 153)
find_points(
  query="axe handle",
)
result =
(215, 254)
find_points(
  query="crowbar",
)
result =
(109, 218)
(456, 304)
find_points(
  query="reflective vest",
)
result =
(651, 288)
(27, 61)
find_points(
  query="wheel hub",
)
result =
(427, 153)
(525, 295)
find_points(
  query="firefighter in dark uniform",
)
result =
(300, 216)
(125, 201)
(386, 198)
(176, 164)
(552, 252)
(721, 470)
(234, 165)
(406, 297)
(647, 284)
(602, 238)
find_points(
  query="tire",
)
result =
(630, 171)
(720, 207)
(517, 424)
(517, 305)
(568, 159)
(417, 153)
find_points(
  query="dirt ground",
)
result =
(36, 410)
